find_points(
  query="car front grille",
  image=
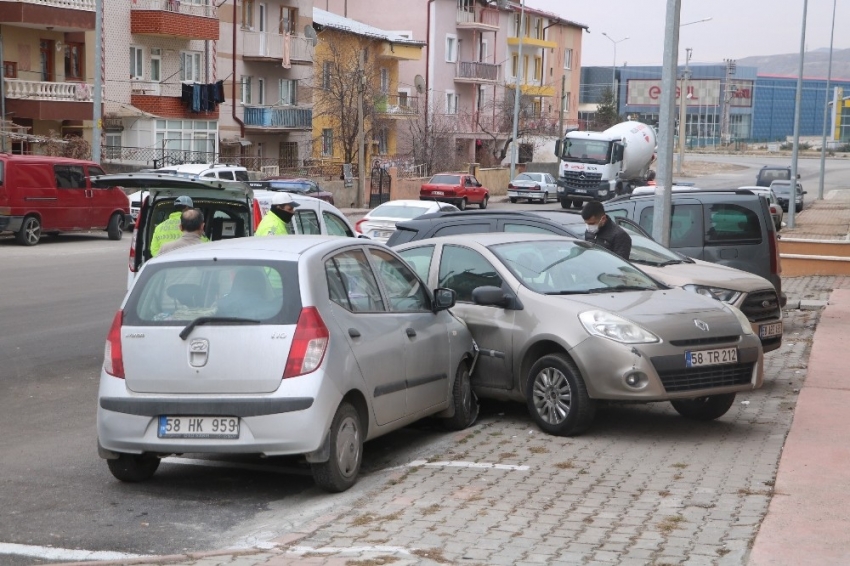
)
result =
(761, 305)
(581, 179)
(705, 341)
(692, 379)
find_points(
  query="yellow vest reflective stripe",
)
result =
(166, 231)
(271, 225)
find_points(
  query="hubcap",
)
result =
(348, 447)
(465, 392)
(32, 231)
(552, 396)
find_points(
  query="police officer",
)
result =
(275, 221)
(169, 229)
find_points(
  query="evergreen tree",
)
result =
(606, 113)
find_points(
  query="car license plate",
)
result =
(382, 233)
(711, 357)
(582, 191)
(440, 193)
(768, 330)
(198, 427)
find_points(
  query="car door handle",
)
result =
(410, 332)
(354, 333)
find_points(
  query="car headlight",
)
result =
(746, 326)
(613, 327)
(726, 295)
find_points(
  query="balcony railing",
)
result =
(267, 45)
(291, 118)
(49, 91)
(473, 70)
(484, 17)
(87, 5)
(396, 105)
(186, 7)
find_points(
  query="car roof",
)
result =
(198, 168)
(289, 247)
(490, 238)
(726, 193)
(408, 202)
(162, 181)
(776, 167)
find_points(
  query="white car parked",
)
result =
(533, 186)
(379, 224)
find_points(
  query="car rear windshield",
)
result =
(172, 294)
(401, 236)
(296, 187)
(445, 180)
(396, 211)
(768, 175)
(730, 223)
(784, 189)
(525, 177)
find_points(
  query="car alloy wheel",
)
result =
(552, 396)
(557, 397)
(30, 231)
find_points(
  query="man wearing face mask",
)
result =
(603, 231)
(275, 221)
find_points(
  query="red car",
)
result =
(458, 189)
(304, 187)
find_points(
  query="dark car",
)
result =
(306, 187)
(782, 189)
(771, 173)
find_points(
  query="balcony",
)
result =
(268, 118)
(531, 42)
(485, 19)
(60, 15)
(40, 100)
(476, 72)
(395, 106)
(267, 46)
(174, 18)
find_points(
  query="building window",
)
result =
(327, 142)
(385, 81)
(538, 69)
(113, 146)
(137, 68)
(74, 62)
(514, 65)
(288, 19)
(383, 141)
(288, 95)
(451, 103)
(261, 92)
(10, 69)
(288, 154)
(190, 66)
(451, 48)
(568, 58)
(538, 28)
(156, 64)
(524, 67)
(245, 95)
(46, 51)
(327, 68)
(565, 104)
(196, 136)
(247, 14)
(517, 24)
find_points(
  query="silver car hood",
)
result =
(708, 274)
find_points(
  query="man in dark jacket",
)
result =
(603, 231)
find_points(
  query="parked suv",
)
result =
(771, 173)
(732, 228)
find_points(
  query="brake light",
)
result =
(510, 185)
(775, 263)
(132, 256)
(258, 214)
(357, 225)
(308, 344)
(113, 356)
(537, 187)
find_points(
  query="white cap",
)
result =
(281, 198)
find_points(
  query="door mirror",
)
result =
(558, 149)
(444, 299)
(489, 296)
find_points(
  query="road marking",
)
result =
(347, 549)
(459, 464)
(51, 553)
(236, 465)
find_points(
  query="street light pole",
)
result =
(792, 198)
(97, 99)
(517, 92)
(614, 64)
(683, 110)
(826, 106)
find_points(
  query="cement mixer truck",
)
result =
(602, 165)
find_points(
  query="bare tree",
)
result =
(430, 140)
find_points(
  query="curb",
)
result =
(805, 305)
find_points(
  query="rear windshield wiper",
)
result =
(201, 320)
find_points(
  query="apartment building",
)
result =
(48, 69)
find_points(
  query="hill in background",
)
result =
(815, 66)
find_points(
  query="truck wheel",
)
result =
(340, 471)
(30, 232)
(566, 203)
(462, 204)
(577, 203)
(115, 230)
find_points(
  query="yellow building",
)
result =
(346, 51)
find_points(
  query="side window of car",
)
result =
(69, 177)
(242, 176)
(729, 223)
(210, 175)
(528, 229)
(227, 175)
(419, 259)
(351, 283)
(618, 213)
(685, 225)
(335, 225)
(464, 270)
(405, 292)
(465, 228)
(307, 222)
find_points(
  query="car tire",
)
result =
(513, 200)
(464, 401)
(115, 230)
(30, 231)
(346, 452)
(483, 204)
(704, 408)
(557, 373)
(133, 468)
(566, 203)
(462, 204)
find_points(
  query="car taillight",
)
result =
(308, 344)
(133, 255)
(775, 263)
(113, 357)
(510, 185)
(357, 225)
(537, 187)
(258, 214)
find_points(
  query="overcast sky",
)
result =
(738, 28)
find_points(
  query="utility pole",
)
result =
(98, 81)
(361, 158)
(729, 91)
(683, 110)
(825, 105)
(2, 101)
(792, 199)
(518, 92)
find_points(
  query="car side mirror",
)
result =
(490, 296)
(558, 148)
(444, 299)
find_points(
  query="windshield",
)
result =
(784, 188)
(644, 250)
(586, 151)
(396, 211)
(566, 267)
(445, 180)
(525, 177)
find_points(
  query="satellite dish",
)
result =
(310, 34)
(419, 83)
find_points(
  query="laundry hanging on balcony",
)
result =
(286, 62)
(199, 97)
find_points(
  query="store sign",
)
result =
(699, 92)
(743, 95)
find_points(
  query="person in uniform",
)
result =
(275, 221)
(169, 229)
(192, 226)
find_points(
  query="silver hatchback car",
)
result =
(276, 346)
(562, 323)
